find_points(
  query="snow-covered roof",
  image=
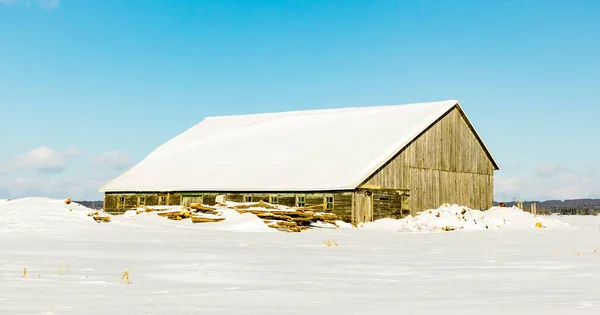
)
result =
(313, 150)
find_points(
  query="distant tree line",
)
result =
(565, 207)
(97, 205)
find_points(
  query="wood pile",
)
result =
(292, 220)
(286, 219)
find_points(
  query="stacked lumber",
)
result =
(277, 217)
(205, 214)
(289, 220)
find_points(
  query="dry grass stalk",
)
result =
(125, 276)
(330, 243)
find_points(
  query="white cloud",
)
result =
(45, 159)
(78, 187)
(48, 172)
(549, 182)
(112, 161)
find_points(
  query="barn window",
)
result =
(247, 198)
(120, 202)
(273, 200)
(141, 201)
(161, 200)
(300, 201)
(328, 202)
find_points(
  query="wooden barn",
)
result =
(360, 163)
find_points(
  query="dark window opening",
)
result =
(121, 202)
(328, 202)
(273, 200)
(300, 201)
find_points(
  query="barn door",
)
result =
(363, 207)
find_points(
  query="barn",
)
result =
(361, 163)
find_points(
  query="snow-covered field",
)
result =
(498, 263)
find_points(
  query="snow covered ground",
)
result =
(239, 266)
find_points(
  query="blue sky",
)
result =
(88, 88)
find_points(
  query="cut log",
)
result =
(260, 204)
(311, 207)
(268, 215)
(206, 220)
(169, 214)
(325, 216)
(100, 219)
(197, 206)
(286, 223)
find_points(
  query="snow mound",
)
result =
(242, 222)
(455, 217)
(233, 221)
(42, 215)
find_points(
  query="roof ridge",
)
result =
(322, 110)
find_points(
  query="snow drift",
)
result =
(177, 267)
(43, 215)
(454, 217)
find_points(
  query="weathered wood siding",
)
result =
(446, 164)
(389, 204)
(111, 203)
(342, 200)
(363, 206)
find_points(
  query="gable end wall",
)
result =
(446, 164)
